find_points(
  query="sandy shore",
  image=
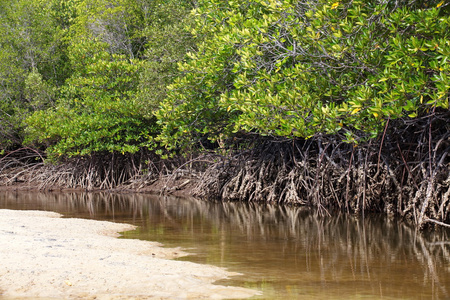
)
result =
(45, 256)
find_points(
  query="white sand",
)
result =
(45, 256)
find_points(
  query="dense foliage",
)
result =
(32, 64)
(298, 69)
(89, 76)
(84, 76)
(103, 86)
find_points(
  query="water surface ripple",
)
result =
(286, 252)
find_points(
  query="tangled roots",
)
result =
(405, 173)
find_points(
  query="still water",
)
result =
(285, 252)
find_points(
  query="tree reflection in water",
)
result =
(285, 251)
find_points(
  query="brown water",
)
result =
(286, 252)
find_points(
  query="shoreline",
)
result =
(371, 178)
(45, 256)
(177, 188)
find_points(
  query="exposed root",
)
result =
(405, 173)
(401, 177)
(141, 172)
(106, 171)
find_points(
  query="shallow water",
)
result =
(286, 252)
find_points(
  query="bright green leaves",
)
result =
(95, 69)
(415, 74)
(295, 69)
(92, 72)
(191, 108)
(96, 108)
(98, 111)
(122, 54)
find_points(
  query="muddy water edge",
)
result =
(286, 252)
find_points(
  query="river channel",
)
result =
(285, 252)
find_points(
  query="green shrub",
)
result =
(297, 69)
(118, 74)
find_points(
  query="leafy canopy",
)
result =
(297, 69)
(101, 106)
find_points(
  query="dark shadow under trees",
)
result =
(405, 172)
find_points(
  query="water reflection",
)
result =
(287, 252)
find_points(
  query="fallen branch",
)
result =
(426, 219)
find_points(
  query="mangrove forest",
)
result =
(336, 105)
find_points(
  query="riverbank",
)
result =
(404, 173)
(45, 256)
(69, 178)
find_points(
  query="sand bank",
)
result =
(45, 256)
